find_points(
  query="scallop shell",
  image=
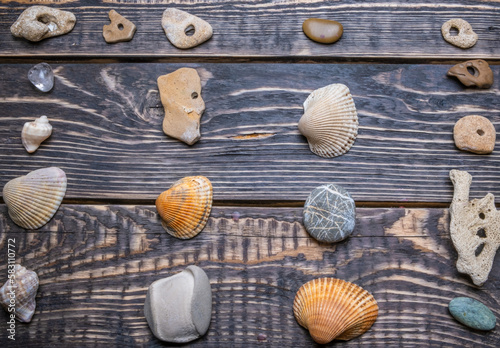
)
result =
(34, 198)
(334, 309)
(184, 208)
(34, 133)
(330, 120)
(20, 292)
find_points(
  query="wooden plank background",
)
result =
(105, 245)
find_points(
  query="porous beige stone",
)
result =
(180, 93)
(177, 25)
(466, 37)
(40, 22)
(482, 76)
(474, 229)
(475, 134)
(120, 29)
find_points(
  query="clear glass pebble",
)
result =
(42, 77)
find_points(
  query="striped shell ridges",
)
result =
(334, 309)
(330, 120)
(33, 199)
(185, 207)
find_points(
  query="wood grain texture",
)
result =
(267, 28)
(107, 133)
(96, 262)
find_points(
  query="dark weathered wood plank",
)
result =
(96, 262)
(108, 138)
(267, 28)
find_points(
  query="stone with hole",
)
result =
(119, 30)
(466, 37)
(474, 229)
(475, 134)
(41, 22)
(185, 30)
(180, 93)
(473, 73)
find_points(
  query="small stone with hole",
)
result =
(466, 37)
(185, 30)
(40, 22)
(475, 134)
(473, 73)
(120, 29)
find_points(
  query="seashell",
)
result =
(184, 208)
(19, 292)
(34, 133)
(330, 120)
(334, 309)
(33, 199)
(179, 308)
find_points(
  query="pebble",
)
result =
(475, 134)
(120, 29)
(42, 77)
(329, 213)
(180, 93)
(40, 22)
(466, 37)
(322, 30)
(482, 77)
(472, 313)
(179, 308)
(177, 25)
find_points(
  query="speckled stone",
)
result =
(322, 30)
(177, 25)
(475, 134)
(329, 213)
(472, 313)
(466, 37)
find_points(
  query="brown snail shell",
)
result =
(330, 120)
(185, 207)
(33, 199)
(334, 309)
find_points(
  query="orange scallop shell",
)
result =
(184, 208)
(334, 309)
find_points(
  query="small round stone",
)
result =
(322, 30)
(329, 213)
(472, 313)
(475, 134)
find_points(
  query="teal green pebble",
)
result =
(472, 313)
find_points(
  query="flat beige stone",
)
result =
(177, 23)
(180, 93)
(40, 22)
(120, 29)
(474, 229)
(475, 134)
(466, 37)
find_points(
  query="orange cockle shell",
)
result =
(334, 309)
(185, 207)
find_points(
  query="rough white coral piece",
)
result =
(474, 229)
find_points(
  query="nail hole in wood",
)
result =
(189, 31)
